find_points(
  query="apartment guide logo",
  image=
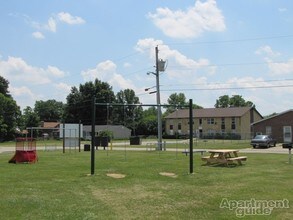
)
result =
(253, 206)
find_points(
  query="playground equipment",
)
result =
(25, 151)
(160, 144)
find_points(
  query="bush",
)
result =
(106, 133)
(225, 136)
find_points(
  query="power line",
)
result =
(229, 88)
(232, 41)
(231, 64)
(221, 83)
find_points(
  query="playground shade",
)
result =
(24, 156)
(25, 151)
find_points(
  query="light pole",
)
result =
(160, 67)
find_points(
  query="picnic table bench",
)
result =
(201, 151)
(226, 157)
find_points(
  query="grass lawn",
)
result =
(58, 187)
(151, 143)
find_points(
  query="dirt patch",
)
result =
(116, 175)
(173, 175)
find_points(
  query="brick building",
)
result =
(278, 126)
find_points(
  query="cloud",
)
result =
(69, 19)
(275, 68)
(51, 25)
(203, 16)
(30, 83)
(107, 72)
(181, 64)
(284, 68)
(267, 51)
(17, 70)
(63, 87)
(21, 91)
(54, 71)
(38, 35)
(126, 65)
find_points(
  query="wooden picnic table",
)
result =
(224, 156)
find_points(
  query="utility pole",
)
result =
(158, 100)
(160, 67)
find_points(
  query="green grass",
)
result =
(58, 186)
(170, 143)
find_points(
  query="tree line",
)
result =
(78, 107)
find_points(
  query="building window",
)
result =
(200, 121)
(268, 130)
(211, 132)
(223, 123)
(171, 127)
(211, 121)
(233, 124)
(179, 126)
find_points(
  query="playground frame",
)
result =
(95, 104)
(63, 128)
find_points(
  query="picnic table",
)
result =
(226, 157)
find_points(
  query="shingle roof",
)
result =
(50, 124)
(277, 115)
(210, 112)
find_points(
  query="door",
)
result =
(287, 134)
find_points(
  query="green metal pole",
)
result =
(63, 132)
(190, 137)
(93, 136)
(79, 127)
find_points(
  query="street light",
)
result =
(160, 67)
(147, 89)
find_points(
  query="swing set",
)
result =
(94, 106)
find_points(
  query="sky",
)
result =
(211, 48)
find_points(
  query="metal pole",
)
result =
(158, 101)
(79, 126)
(93, 136)
(190, 137)
(290, 155)
(63, 132)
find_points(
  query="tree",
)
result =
(223, 102)
(30, 118)
(176, 99)
(9, 116)
(235, 101)
(179, 102)
(9, 112)
(50, 110)
(148, 124)
(4, 86)
(127, 115)
(79, 102)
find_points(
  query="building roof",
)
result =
(88, 128)
(269, 118)
(50, 124)
(210, 112)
